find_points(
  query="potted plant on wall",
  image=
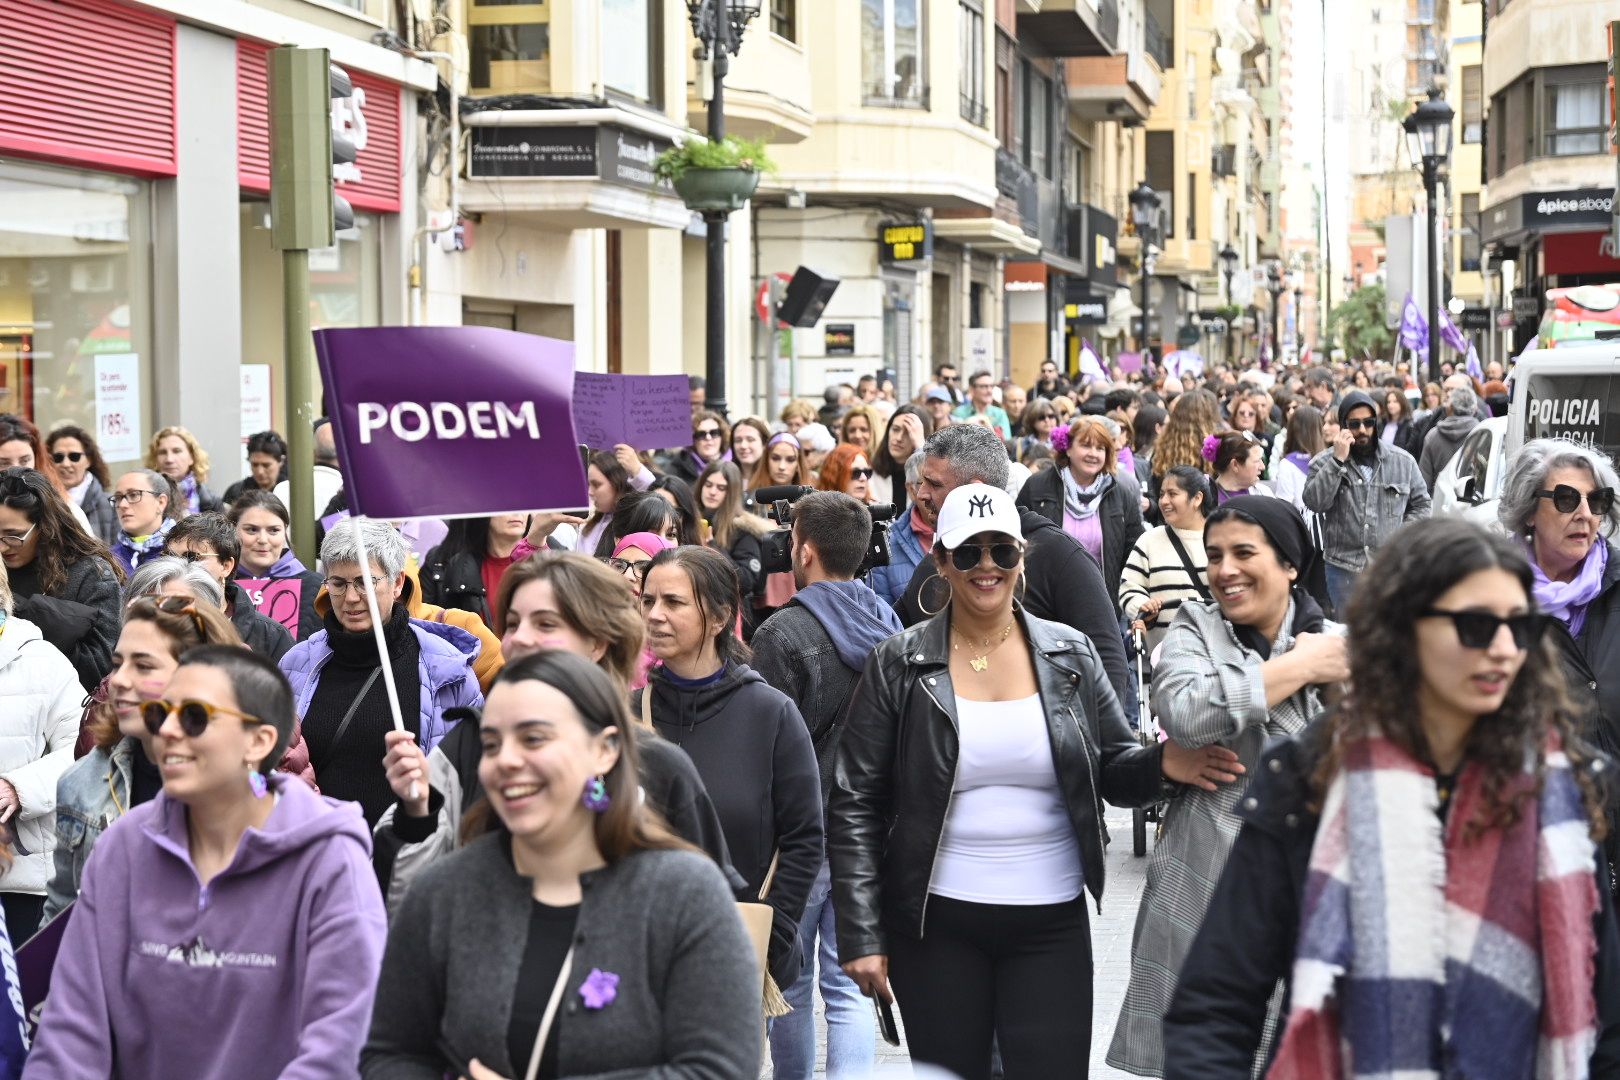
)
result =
(714, 176)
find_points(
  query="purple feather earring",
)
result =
(596, 798)
(256, 783)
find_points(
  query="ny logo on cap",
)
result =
(979, 506)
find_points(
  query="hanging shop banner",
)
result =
(1580, 408)
(452, 421)
(118, 406)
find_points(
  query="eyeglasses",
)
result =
(967, 556)
(74, 456)
(1477, 629)
(13, 541)
(861, 474)
(195, 716)
(1567, 500)
(1365, 422)
(118, 498)
(706, 433)
(337, 586)
(625, 568)
(947, 378)
(191, 556)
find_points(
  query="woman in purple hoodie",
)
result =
(263, 524)
(230, 927)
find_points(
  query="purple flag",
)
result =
(1474, 370)
(1450, 334)
(452, 421)
(1091, 369)
(1414, 330)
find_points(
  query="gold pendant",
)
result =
(979, 663)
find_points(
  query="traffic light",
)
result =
(306, 91)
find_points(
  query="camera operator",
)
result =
(813, 650)
(1064, 583)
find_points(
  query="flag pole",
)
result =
(377, 631)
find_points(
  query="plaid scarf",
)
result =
(1426, 954)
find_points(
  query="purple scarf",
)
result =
(188, 492)
(1567, 601)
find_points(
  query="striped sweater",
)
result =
(1154, 570)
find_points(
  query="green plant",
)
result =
(729, 153)
(1230, 312)
(1357, 323)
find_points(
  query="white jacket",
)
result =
(40, 704)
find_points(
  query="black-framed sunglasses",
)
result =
(967, 556)
(1367, 422)
(1567, 500)
(862, 474)
(1477, 629)
(191, 556)
(706, 433)
(194, 716)
(74, 456)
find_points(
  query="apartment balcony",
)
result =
(1070, 27)
(1124, 87)
(768, 90)
(1156, 42)
(1223, 161)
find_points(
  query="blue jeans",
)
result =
(1340, 584)
(851, 1026)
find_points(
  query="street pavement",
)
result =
(1111, 951)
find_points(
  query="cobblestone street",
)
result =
(1111, 944)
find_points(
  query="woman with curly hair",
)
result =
(1421, 869)
(1194, 417)
(175, 453)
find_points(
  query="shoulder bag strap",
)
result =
(354, 706)
(549, 1015)
(770, 875)
(646, 705)
(1187, 564)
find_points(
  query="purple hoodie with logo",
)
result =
(267, 971)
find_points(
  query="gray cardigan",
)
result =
(688, 1001)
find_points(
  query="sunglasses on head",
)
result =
(1567, 500)
(1477, 629)
(1366, 422)
(74, 456)
(194, 716)
(968, 556)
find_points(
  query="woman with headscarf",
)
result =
(1237, 672)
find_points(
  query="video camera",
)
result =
(778, 544)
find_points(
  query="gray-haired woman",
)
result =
(1559, 498)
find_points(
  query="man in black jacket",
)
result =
(210, 541)
(1065, 584)
(813, 650)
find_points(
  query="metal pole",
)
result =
(1430, 183)
(715, 364)
(1276, 339)
(299, 349)
(1142, 346)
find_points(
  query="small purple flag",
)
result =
(1475, 372)
(1414, 329)
(1450, 334)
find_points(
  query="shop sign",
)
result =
(1552, 210)
(840, 339)
(1083, 306)
(905, 241)
(1581, 408)
(256, 403)
(1100, 252)
(1213, 322)
(1474, 318)
(612, 154)
(1526, 308)
(118, 406)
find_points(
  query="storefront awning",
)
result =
(987, 234)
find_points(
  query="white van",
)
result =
(1569, 393)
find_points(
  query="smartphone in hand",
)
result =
(885, 1021)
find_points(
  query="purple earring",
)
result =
(256, 783)
(596, 797)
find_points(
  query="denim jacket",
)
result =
(1357, 515)
(90, 796)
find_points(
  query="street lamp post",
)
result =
(1428, 140)
(1275, 283)
(718, 26)
(1299, 322)
(1229, 261)
(1145, 214)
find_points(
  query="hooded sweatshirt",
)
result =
(267, 971)
(1441, 445)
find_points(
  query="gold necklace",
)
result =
(982, 661)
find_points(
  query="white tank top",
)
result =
(1008, 838)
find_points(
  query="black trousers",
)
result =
(24, 911)
(1018, 976)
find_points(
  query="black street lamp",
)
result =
(1145, 215)
(1299, 322)
(718, 26)
(1275, 283)
(1428, 140)
(1229, 261)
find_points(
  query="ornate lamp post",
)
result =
(1428, 140)
(1145, 215)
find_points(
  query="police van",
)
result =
(1569, 393)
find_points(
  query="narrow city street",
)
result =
(1111, 944)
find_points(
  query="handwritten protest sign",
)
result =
(280, 599)
(647, 412)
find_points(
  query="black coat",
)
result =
(258, 632)
(82, 619)
(1065, 585)
(1249, 934)
(1120, 511)
(98, 510)
(897, 762)
(1592, 674)
(455, 579)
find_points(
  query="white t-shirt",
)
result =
(1008, 838)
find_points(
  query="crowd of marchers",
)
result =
(828, 702)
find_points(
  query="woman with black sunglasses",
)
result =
(83, 472)
(965, 822)
(1559, 497)
(233, 925)
(710, 437)
(1420, 869)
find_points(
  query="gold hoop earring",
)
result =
(923, 591)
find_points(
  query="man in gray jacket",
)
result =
(1462, 417)
(1363, 491)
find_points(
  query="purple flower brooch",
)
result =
(599, 989)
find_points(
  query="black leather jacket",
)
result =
(897, 768)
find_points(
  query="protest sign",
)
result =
(280, 599)
(648, 412)
(452, 421)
